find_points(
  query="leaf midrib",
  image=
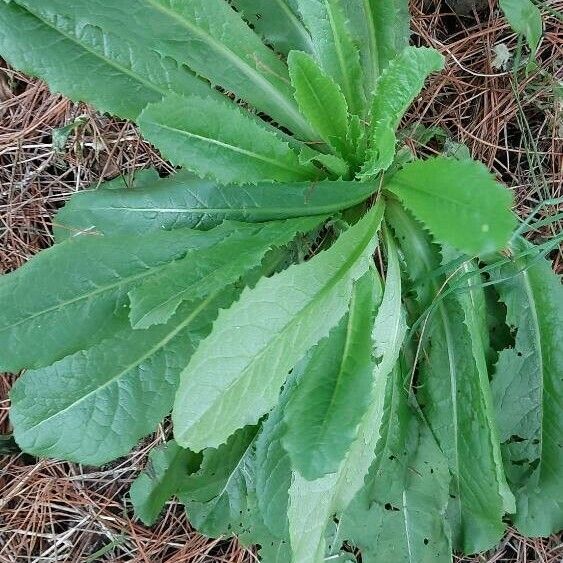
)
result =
(296, 22)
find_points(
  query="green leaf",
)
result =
(273, 466)
(395, 90)
(79, 300)
(216, 495)
(278, 23)
(95, 405)
(182, 200)
(381, 30)
(452, 398)
(86, 64)
(334, 49)
(236, 374)
(525, 18)
(333, 493)
(163, 476)
(399, 514)
(215, 138)
(323, 415)
(459, 202)
(221, 497)
(320, 100)
(202, 272)
(207, 36)
(528, 390)
(472, 300)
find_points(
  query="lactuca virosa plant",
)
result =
(408, 406)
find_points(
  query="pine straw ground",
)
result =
(61, 512)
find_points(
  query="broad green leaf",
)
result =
(277, 21)
(216, 495)
(206, 35)
(528, 390)
(395, 90)
(451, 396)
(458, 201)
(331, 162)
(381, 30)
(86, 64)
(334, 49)
(399, 514)
(202, 272)
(471, 296)
(236, 374)
(323, 415)
(217, 139)
(183, 200)
(320, 100)
(333, 493)
(82, 294)
(161, 479)
(95, 405)
(525, 18)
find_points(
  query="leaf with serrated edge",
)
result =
(79, 300)
(323, 415)
(472, 300)
(206, 35)
(399, 514)
(217, 139)
(528, 390)
(320, 100)
(183, 200)
(235, 376)
(459, 202)
(334, 49)
(451, 397)
(278, 23)
(334, 492)
(161, 479)
(380, 29)
(95, 405)
(395, 90)
(200, 273)
(89, 65)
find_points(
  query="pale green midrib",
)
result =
(88, 295)
(537, 332)
(296, 22)
(110, 62)
(341, 60)
(132, 365)
(233, 472)
(328, 121)
(268, 212)
(273, 93)
(374, 72)
(303, 172)
(484, 386)
(325, 289)
(407, 526)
